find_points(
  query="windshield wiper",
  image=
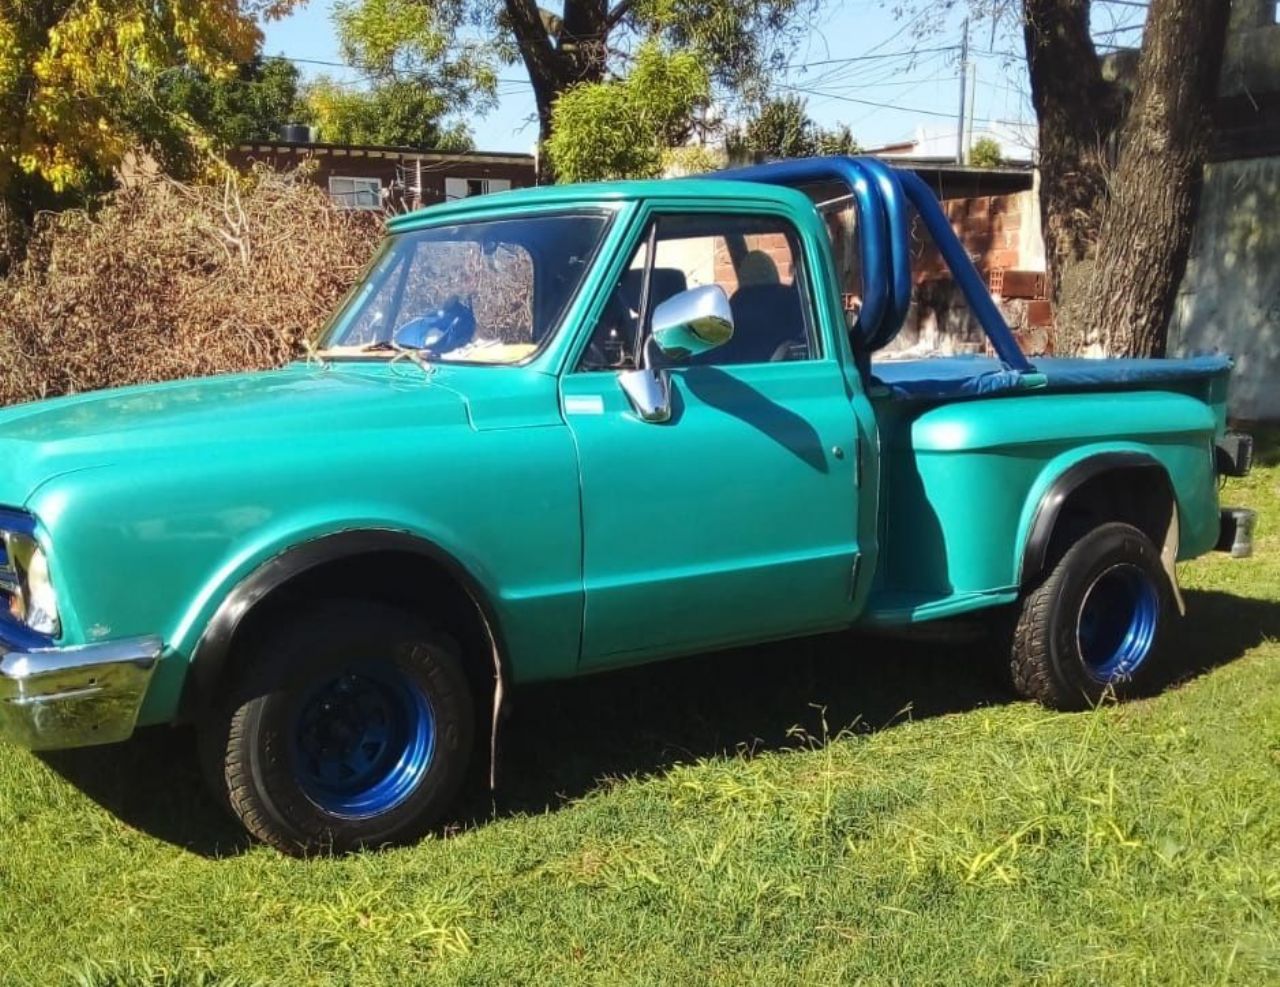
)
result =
(313, 355)
(412, 354)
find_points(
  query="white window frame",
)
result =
(487, 185)
(351, 200)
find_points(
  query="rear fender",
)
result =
(1060, 480)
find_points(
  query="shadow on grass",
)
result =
(563, 739)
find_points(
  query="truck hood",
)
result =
(45, 439)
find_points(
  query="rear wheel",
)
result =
(1096, 622)
(352, 727)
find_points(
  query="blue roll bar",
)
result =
(876, 260)
(878, 191)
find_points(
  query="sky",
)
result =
(856, 67)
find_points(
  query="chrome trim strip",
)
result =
(76, 696)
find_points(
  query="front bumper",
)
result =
(74, 697)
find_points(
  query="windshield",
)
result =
(477, 292)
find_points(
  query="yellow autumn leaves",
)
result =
(73, 73)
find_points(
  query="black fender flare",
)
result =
(210, 657)
(1036, 550)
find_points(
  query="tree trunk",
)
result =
(1155, 193)
(558, 54)
(1078, 113)
(1120, 183)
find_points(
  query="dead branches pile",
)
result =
(169, 281)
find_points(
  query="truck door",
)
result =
(736, 520)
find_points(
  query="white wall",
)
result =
(1230, 297)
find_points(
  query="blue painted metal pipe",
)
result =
(876, 256)
(899, 236)
(966, 275)
(883, 229)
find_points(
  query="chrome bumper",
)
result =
(74, 697)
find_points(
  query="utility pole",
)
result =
(968, 117)
(961, 149)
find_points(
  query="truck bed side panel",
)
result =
(963, 481)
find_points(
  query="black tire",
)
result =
(351, 727)
(1097, 622)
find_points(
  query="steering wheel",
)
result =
(451, 325)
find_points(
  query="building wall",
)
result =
(1001, 234)
(1251, 62)
(395, 171)
(1230, 297)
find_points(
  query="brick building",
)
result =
(374, 177)
(996, 214)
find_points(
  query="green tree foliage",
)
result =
(986, 153)
(416, 44)
(250, 104)
(458, 45)
(621, 128)
(838, 140)
(399, 112)
(782, 128)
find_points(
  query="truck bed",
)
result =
(944, 378)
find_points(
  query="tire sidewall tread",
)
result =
(1045, 661)
(251, 739)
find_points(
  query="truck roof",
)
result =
(700, 189)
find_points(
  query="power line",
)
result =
(895, 106)
(1118, 30)
(911, 53)
(884, 72)
(360, 72)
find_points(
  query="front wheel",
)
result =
(352, 727)
(1096, 623)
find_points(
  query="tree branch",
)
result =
(619, 11)
(532, 38)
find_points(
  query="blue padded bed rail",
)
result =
(940, 378)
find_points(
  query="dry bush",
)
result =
(169, 281)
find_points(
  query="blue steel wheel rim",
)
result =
(1116, 627)
(363, 741)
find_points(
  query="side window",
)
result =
(758, 262)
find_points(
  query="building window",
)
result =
(465, 188)
(1275, 12)
(356, 193)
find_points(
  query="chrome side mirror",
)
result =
(649, 392)
(693, 322)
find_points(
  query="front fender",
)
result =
(155, 549)
(291, 535)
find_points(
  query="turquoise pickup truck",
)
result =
(563, 430)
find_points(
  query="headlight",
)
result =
(32, 600)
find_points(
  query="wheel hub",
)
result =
(1117, 623)
(363, 742)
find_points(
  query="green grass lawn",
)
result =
(822, 811)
